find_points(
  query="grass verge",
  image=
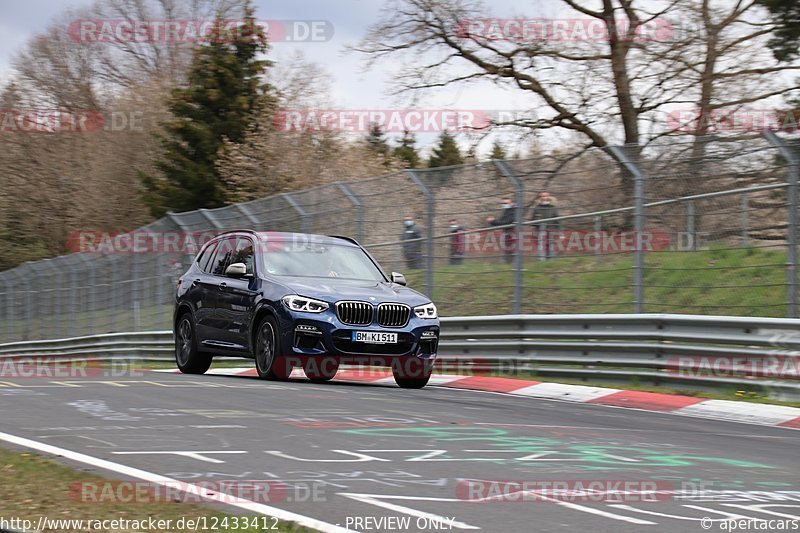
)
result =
(38, 486)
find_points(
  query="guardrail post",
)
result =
(639, 178)
(793, 163)
(431, 202)
(358, 204)
(300, 211)
(745, 220)
(519, 191)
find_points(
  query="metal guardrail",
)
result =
(755, 354)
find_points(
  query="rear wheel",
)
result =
(270, 363)
(321, 369)
(189, 359)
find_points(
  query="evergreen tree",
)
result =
(224, 90)
(406, 151)
(446, 152)
(376, 142)
(786, 38)
(498, 152)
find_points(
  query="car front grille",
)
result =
(393, 315)
(354, 313)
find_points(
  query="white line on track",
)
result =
(190, 488)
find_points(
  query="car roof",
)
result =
(284, 236)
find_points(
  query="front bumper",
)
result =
(312, 335)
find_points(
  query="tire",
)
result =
(189, 359)
(270, 363)
(415, 379)
(320, 371)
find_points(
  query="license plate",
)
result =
(375, 337)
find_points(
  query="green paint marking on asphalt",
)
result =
(551, 450)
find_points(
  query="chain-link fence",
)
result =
(695, 225)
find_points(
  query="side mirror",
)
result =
(236, 270)
(398, 278)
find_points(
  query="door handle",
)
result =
(223, 286)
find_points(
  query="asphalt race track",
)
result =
(377, 458)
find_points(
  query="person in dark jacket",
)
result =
(412, 244)
(508, 215)
(458, 242)
(547, 231)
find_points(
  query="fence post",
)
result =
(431, 202)
(358, 204)
(598, 228)
(519, 191)
(74, 302)
(243, 209)
(136, 305)
(300, 211)
(745, 219)
(12, 293)
(91, 300)
(7, 308)
(638, 222)
(793, 163)
(691, 225)
(28, 308)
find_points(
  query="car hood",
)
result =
(333, 290)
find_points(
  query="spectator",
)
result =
(412, 244)
(547, 230)
(457, 242)
(508, 216)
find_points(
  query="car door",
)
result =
(237, 297)
(213, 283)
(202, 290)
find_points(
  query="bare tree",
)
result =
(617, 88)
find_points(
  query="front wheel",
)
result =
(189, 359)
(415, 374)
(270, 364)
(320, 370)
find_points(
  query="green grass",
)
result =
(39, 486)
(723, 281)
(742, 282)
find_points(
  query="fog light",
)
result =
(304, 328)
(430, 334)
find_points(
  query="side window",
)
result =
(222, 258)
(244, 254)
(205, 258)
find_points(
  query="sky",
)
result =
(354, 86)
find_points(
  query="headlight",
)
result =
(426, 311)
(306, 305)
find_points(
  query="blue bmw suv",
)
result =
(298, 300)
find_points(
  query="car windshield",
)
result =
(317, 260)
